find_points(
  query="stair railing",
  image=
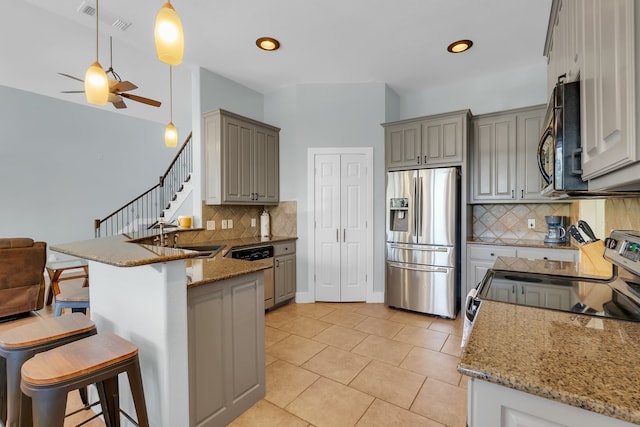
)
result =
(144, 211)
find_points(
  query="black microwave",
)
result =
(560, 150)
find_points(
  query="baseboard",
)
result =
(305, 297)
(376, 297)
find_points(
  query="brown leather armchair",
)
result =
(22, 283)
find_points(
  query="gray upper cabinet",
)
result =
(504, 150)
(426, 141)
(402, 145)
(242, 160)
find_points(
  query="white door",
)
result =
(341, 223)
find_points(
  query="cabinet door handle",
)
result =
(344, 234)
(425, 160)
(337, 235)
(277, 263)
(522, 290)
(513, 289)
(418, 160)
(522, 193)
(513, 194)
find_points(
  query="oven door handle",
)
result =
(546, 134)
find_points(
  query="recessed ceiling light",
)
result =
(267, 43)
(460, 46)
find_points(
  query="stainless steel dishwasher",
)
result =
(256, 253)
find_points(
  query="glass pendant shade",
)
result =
(171, 135)
(96, 85)
(169, 36)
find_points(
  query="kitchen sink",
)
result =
(204, 251)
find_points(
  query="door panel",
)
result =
(327, 227)
(353, 261)
(340, 227)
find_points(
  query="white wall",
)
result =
(62, 165)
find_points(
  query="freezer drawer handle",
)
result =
(413, 248)
(425, 269)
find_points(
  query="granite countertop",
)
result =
(131, 250)
(544, 266)
(574, 359)
(518, 242)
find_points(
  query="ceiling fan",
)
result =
(117, 87)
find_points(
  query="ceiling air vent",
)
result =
(106, 17)
(87, 9)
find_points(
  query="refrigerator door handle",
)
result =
(424, 268)
(415, 207)
(419, 207)
(419, 248)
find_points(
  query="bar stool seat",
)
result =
(75, 299)
(49, 376)
(21, 343)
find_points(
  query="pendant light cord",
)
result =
(97, 9)
(171, 92)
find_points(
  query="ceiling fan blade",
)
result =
(123, 86)
(147, 101)
(71, 77)
(71, 91)
(117, 100)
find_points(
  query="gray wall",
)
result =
(321, 115)
(62, 165)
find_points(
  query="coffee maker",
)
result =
(556, 233)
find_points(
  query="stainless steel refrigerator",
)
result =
(423, 237)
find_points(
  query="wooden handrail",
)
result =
(148, 198)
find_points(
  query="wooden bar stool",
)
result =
(21, 343)
(55, 270)
(48, 377)
(75, 299)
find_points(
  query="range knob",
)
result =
(610, 243)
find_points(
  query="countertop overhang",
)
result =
(132, 250)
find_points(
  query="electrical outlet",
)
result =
(229, 223)
(253, 222)
(531, 223)
(211, 225)
(224, 224)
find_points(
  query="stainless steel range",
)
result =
(617, 297)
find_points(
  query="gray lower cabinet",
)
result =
(226, 349)
(481, 257)
(284, 269)
(241, 160)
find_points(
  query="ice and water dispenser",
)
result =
(399, 214)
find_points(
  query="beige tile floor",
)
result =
(348, 364)
(357, 364)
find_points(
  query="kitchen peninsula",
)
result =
(540, 366)
(198, 323)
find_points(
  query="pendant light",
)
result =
(96, 84)
(169, 35)
(170, 132)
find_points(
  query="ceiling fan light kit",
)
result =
(169, 36)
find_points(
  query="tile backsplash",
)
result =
(283, 220)
(622, 214)
(509, 221)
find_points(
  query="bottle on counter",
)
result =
(265, 224)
